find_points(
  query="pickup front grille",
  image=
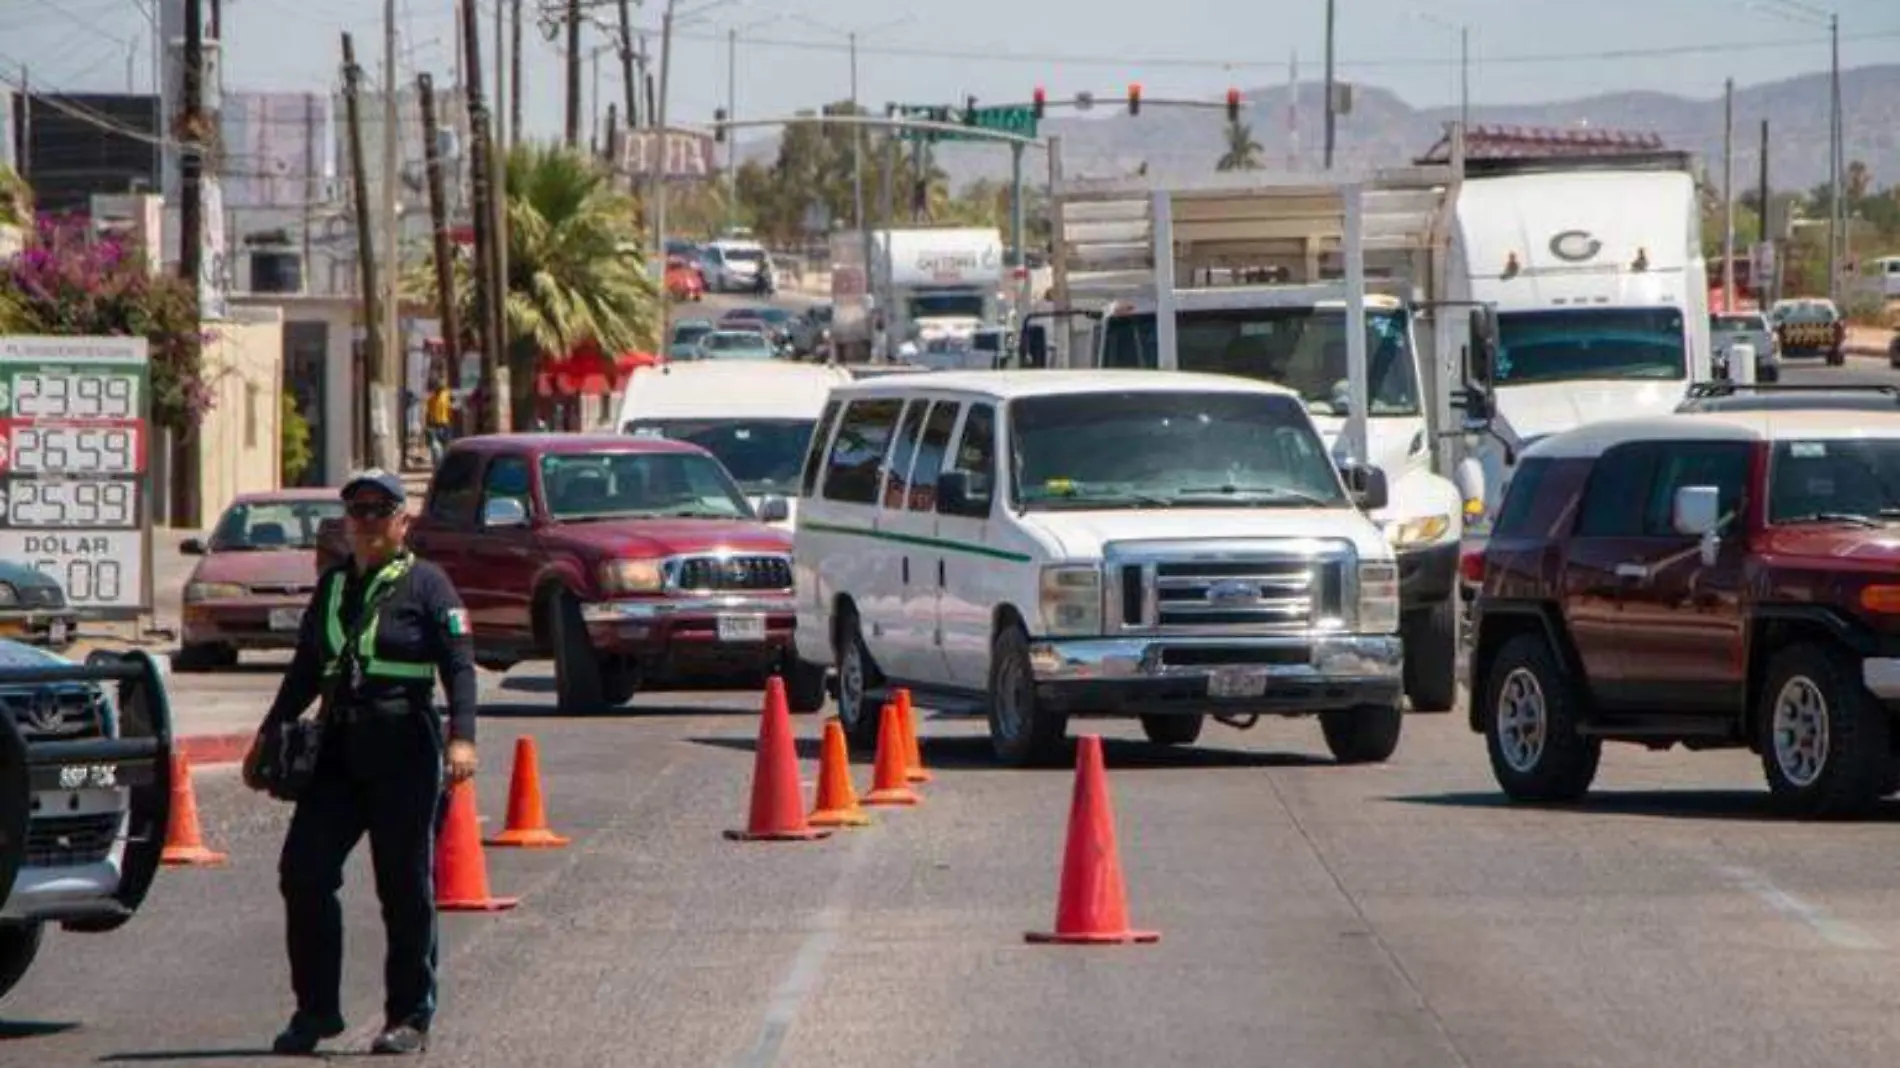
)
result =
(70, 841)
(51, 714)
(1252, 587)
(732, 574)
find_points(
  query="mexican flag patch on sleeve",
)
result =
(457, 619)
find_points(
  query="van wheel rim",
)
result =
(851, 685)
(1801, 731)
(1523, 719)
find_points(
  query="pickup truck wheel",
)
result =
(804, 686)
(619, 681)
(1431, 656)
(577, 681)
(1172, 730)
(1021, 734)
(857, 713)
(1529, 711)
(1824, 742)
(19, 944)
(1368, 734)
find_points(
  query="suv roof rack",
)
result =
(1729, 389)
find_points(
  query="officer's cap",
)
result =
(377, 478)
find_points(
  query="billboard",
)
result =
(689, 154)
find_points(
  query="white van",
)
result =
(733, 266)
(1158, 544)
(756, 416)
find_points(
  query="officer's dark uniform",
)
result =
(379, 770)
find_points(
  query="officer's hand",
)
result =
(461, 760)
(254, 762)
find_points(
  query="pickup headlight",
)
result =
(631, 576)
(1378, 598)
(213, 591)
(1071, 601)
(1419, 530)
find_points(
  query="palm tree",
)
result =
(1243, 152)
(576, 271)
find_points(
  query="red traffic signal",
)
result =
(1233, 105)
(1040, 99)
(1134, 98)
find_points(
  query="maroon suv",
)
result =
(1713, 580)
(631, 562)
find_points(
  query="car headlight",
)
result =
(8, 596)
(631, 576)
(1418, 530)
(1378, 597)
(1071, 601)
(213, 591)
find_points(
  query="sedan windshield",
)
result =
(763, 455)
(735, 345)
(263, 526)
(1589, 343)
(1168, 450)
(1843, 479)
(621, 485)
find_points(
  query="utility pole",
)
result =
(368, 285)
(1330, 125)
(481, 190)
(573, 73)
(1837, 209)
(191, 235)
(857, 144)
(387, 423)
(439, 223)
(732, 136)
(630, 86)
(514, 72)
(1728, 197)
(1464, 77)
(593, 101)
(657, 172)
(613, 133)
(1764, 290)
(502, 126)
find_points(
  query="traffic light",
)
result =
(1233, 105)
(1041, 100)
(969, 111)
(719, 125)
(1134, 98)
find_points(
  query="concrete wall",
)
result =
(240, 439)
(333, 431)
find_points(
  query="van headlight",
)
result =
(1416, 531)
(1378, 597)
(1071, 599)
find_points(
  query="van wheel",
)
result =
(1368, 734)
(1530, 719)
(857, 713)
(1172, 730)
(1021, 733)
(1431, 656)
(19, 944)
(1824, 742)
(577, 680)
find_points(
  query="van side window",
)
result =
(857, 457)
(815, 452)
(930, 452)
(976, 457)
(897, 483)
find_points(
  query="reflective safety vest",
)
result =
(368, 662)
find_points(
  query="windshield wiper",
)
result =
(1231, 489)
(1147, 500)
(1839, 517)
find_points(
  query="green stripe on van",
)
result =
(917, 540)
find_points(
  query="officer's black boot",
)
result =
(401, 1039)
(305, 1031)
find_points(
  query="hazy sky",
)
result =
(792, 53)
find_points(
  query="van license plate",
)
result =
(286, 618)
(741, 628)
(1237, 682)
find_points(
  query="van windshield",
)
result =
(763, 455)
(1167, 449)
(1590, 343)
(1303, 349)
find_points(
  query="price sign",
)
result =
(74, 430)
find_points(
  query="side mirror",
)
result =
(774, 509)
(504, 512)
(1482, 354)
(192, 547)
(1367, 485)
(958, 494)
(1696, 511)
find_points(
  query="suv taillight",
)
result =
(1471, 566)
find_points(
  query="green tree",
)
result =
(1243, 152)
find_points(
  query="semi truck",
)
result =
(919, 285)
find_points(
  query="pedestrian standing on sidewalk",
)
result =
(379, 631)
(440, 416)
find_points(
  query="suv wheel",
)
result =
(1368, 734)
(857, 713)
(1020, 732)
(1431, 656)
(577, 681)
(19, 944)
(1824, 742)
(1530, 718)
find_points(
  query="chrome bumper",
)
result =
(1881, 676)
(671, 607)
(55, 892)
(1283, 675)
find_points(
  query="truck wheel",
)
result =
(804, 686)
(619, 681)
(1530, 717)
(1172, 730)
(1824, 742)
(577, 681)
(19, 944)
(1431, 656)
(1021, 734)
(857, 712)
(1368, 734)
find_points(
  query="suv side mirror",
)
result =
(504, 512)
(1367, 485)
(959, 494)
(1696, 511)
(774, 509)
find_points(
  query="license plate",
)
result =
(741, 628)
(286, 618)
(1237, 682)
(56, 632)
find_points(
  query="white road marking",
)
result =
(1836, 932)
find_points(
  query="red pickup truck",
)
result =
(631, 562)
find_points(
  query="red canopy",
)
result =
(588, 372)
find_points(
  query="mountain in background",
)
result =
(1384, 131)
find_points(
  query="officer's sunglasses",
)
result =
(373, 509)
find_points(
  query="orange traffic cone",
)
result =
(1092, 908)
(527, 820)
(461, 873)
(184, 843)
(892, 785)
(778, 812)
(913, 751)
(837, 801)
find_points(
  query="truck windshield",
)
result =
(1156, 449)
(1836, 480)
(763, 455)
(946, 306)
(1303, 349)
(1589, 343)
(582, 486)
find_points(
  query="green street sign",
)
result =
(1020, 121)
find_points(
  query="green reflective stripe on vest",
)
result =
(373, 666)
(333, 623)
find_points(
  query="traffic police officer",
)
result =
(379, 631)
